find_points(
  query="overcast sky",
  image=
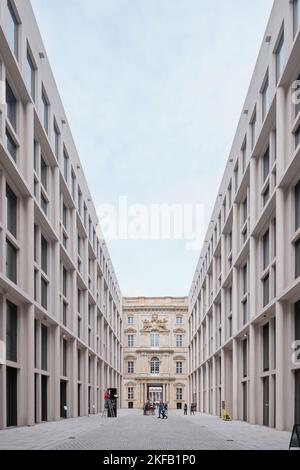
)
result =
(153, 90)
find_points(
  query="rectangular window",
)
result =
(45, 112)
(11, 261)
(266, 250)
(178, 341)
(64, 358)
(56, 139)
(245, 358)
(11, 331)
(130, 342)
(78, 326)
(30, 74)
(11, 146)
(44, 293)
(130, 393)
(44, 254)
(11, 103)
(245, 311)
(154, 340)
(266, 291)
(11, 211)
(65, 311)
(178, 393)
(244, 155)
(65, 277)
(44, 173)
(297, 259)
(178, 320)
(179, 367)
(279, 57)
(65, 216)
(78, 364)
(266, 165)
(236, 178)
(44, 347)
(44, 204)
(130, 320)
(265, 98)
(66, 165)
(253, 130)
(130, 368)
(73, 184)
(297, 205)
(13, 30)
(245, 279)
(266, 341)
(296, 16)
(266, 195)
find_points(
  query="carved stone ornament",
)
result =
(155, 324)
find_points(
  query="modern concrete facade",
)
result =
(244, 311)
(155, 351)
(60, 303)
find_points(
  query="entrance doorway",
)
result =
(63, 399)
(155, 393)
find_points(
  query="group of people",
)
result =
(160, 409)
(193, 408)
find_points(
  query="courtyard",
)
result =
(133, 431)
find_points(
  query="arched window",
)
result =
(154, 365)
(154, 337)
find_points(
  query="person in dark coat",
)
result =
(185, 408)
(160, 409)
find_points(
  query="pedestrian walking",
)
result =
(160, 409)
(185, 408)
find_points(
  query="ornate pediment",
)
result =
(155, 324)
(130, 329)
(179, 330)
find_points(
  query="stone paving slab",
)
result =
(133, 431)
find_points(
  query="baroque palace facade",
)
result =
(155, 351)
(60, 303)
(244, 303)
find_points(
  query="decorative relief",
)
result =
(155, 324)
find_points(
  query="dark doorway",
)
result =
(63, 399)
(11, 396)
(78, 399)
(266, 401)
(36, 384)
(245, 401)
(179, 406)
(44, 398)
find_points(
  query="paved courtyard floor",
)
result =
(133, 431)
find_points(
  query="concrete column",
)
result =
(235, 380)
(73, 379)
(253, 385)
(214, 386)
(55, 375)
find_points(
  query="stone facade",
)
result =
(60, 303)
(155, 351)
(244, 309)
